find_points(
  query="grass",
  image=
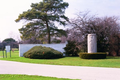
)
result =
(13, 54)
(28, 77)
(113, 62)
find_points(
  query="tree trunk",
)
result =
(48, 33)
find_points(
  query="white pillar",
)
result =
(92, 43)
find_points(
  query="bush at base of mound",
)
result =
(39, 52)
(93, 55)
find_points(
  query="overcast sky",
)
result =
(10, 10)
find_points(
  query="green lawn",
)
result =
(113, 62)
(26, 77)
(13, 54)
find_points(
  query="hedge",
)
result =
(93, 55)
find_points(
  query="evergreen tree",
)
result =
(42, 18)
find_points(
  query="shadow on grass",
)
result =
(108, 57)
(113, 57)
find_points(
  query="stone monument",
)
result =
(92, 43)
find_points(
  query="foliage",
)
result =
(92, 55)
(71, 49)
(39, 52)
(114, 44)
(8, 40)
(32, 40)
(107, 30)
(42, 18)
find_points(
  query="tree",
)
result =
(105, 28)
(11, 42)
(71, 49)
(75, 36)
(114, 44)
(42, 18)
(31, 41)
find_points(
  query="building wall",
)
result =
(25, 47)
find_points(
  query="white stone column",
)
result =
(92, 43)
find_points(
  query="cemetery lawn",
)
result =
(28, 77)
(113, 62)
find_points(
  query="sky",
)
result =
(10, 10)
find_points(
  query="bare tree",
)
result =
(78, 31)
(105, 28)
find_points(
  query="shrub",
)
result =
(71, 49)
(39, 52)
(92, 55)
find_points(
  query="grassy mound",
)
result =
(92, 55)
(39, 52)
